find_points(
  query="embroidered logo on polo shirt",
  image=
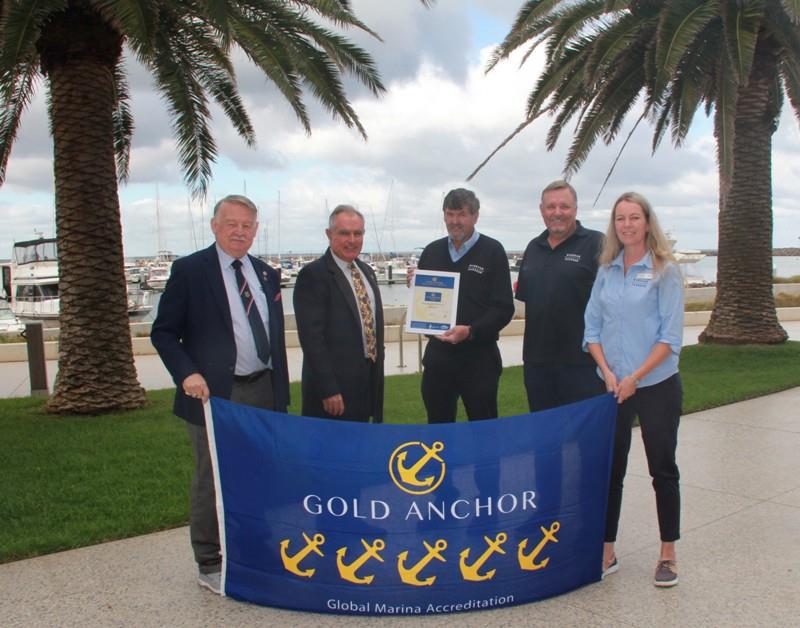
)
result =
(572, 257)
(474, 268)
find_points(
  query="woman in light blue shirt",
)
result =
(634, 329)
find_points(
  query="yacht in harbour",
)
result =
(30, 282)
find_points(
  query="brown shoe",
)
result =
(666, 573)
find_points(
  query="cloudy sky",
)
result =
(440, 117)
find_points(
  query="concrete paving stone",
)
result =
(638, 529)
(790, 498)
(739, 459)
(739, 571)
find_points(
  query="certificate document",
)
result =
(433, 301)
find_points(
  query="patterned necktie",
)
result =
(253, 315)
(366, 312)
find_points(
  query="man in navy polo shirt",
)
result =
(555, 281)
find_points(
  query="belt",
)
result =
(249, 379)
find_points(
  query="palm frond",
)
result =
(679, 24)
(612, 42)
(338, 13)
(533, 19)
(294, 51)
(579, 20)
(20, 29)
(137, 20)
(742, 22)
(122, 120)
(552, 83)
(172, 67)
(347, 56)
(617, 95)
(724, 121)
(791, 83)
(215, 73)
(792, 8)
(689, 86)
(263, 50)
(17, 88)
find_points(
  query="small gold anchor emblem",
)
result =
(291, 563)
(409, 575)
(470, 572)
(406, 478)
(528, 562)
(348, 572)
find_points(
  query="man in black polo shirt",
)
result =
(555, 281)
(465, 361)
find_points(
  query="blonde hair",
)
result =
(656, 242)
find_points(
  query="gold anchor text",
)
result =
(348, 572)
(528, 562)
(409, 475)
(409, 575)
(291, 563)
(470, 572)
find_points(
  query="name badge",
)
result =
(644, 276)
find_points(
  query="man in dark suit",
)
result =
(219, 331)
(339, 316)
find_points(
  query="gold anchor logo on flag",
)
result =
(348, 572)
(292, 563)
(472, 572)
(417, 468)
(528, 562)
(409, 575)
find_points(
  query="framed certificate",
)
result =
(433, 302)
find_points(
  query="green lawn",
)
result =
(73, 481)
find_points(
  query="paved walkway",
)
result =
(738, 556)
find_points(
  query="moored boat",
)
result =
(30, 281)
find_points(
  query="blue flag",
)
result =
(333, 516)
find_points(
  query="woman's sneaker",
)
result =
(666, 573)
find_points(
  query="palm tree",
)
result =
(739, 58)
(77, 48)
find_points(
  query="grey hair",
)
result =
(343, 209)
(237, 199)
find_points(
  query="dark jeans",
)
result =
(550, 386)
(659, 411)
(470, 372)
(203, 526)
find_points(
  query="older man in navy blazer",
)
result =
(219, 331)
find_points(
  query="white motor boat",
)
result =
(9, 324)
(34, 279)
(31, 282)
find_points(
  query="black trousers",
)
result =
(203, 526)
(550, 386)
(470, 371)
(659, 409)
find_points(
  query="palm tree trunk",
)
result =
(744, 310)
(96, 371)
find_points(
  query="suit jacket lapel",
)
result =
(213, 272)
(344, 286)
(264, 279)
